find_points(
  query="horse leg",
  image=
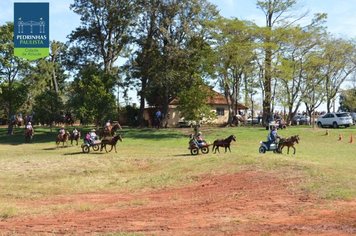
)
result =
(294, 149)
(115, 148)
(288, 150)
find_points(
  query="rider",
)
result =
(29, 126)
(272, 136)
(75, 132)
(93, 136)
(62, 131)
(199, 138)
(107, 125)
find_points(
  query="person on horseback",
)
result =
(62, 131)
(75, 132)
(29, 126)
(107, 125)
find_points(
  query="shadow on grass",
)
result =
(184, 155)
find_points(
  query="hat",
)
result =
(29, 123)
(93, 130)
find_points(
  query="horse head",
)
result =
(296, 138)
(115, 127)
(117, 137)
(232, 137)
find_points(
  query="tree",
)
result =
(142, 65)
(192, 102)
(348, 100)
(338, 64)
(90, 98)
(234, 59)
(47, 106)
(294, 80)
(275, 11)
(105, 31)
(179, 39)
(11, 70)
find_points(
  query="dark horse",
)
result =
(223, 143)
(110, 141)
(288, 142)
(62, 138)
(28, 135)
(109, 131)
(74, 137)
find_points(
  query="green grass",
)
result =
(153, 159)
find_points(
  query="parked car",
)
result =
(301, 120)
(335, 120)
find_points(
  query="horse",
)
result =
(62, 138)
(17, 121)
(110, 131)
(28, 135)
(74, 137)
(111, 141)
(223, 143)
(288, 142)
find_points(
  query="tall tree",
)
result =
(233, 41)
(275, 12)
(180, 41)
(295, 49)
(90, 97)
(143, 63)
(105, 30)
(338, 65)
(11, 70)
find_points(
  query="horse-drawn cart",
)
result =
(94, 145)
(195, 146)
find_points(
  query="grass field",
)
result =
(157, 159)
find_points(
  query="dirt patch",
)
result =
(247, 203)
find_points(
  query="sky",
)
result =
(341, 14)
(341, 20)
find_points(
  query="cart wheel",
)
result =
(262, 149)
(194, 151)
(96, 147)
(205, 150)
(85, 149)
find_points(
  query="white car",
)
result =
(335, 120)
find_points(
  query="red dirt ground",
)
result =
(247, 203)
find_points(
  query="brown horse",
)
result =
(288, 142)
(223, 143)
(17, 122)
(74, 137)
(29, 135)
(110, 131)
(62, 138)
(110, 141)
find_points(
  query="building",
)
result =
(218, 105)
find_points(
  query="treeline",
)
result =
(173, 50)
